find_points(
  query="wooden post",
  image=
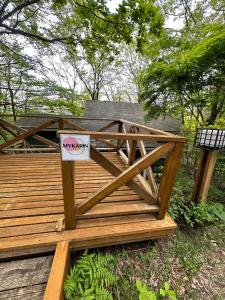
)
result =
(132, 153)
(120, 129)
(61, 123)
(168, 178)
(204, 175)
(68, 193)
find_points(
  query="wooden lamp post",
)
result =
(210, 141)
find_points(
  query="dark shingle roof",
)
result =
(111, 110)
(129, 111)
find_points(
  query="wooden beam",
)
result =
(58, 272)
(35, 136)
(126, 176)
(115, 171)
(26, 134)
(128, 136)
(168, 178)
(139, 177)
(146, 128)
(60, 123)
(121, 142)
(120, 129)
(111, 124)
(2, 133)
(199, 175)
(68, 193)
(83, 130)
(42, 116)
(210, 165)
(132, 154)
(150, 176)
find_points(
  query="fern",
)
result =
(90, 278)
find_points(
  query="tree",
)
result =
(84, 27)
(187, 71)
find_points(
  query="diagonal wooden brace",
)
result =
(115, 171)
(27, 133)
(126, 176)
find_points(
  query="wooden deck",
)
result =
(31, 204)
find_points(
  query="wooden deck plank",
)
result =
(38, 204)
(11, 229)
(100, 210)
(31, 204)
(83, 237)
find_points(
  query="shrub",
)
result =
(184, 211)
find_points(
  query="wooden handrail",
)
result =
(57, 116)
(79, 128)
(146, 128)
(127, 136)
(127, 175)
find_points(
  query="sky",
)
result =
(169, 23)
(113, 4)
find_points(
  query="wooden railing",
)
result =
(128, 139)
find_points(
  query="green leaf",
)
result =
(167, 286)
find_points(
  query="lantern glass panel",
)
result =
(212, 139)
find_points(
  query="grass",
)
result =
(192, 261)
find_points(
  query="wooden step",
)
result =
(90, 237)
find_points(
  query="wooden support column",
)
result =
(204, 175)
(132, 153)
(61, 123)
(120, 129)
(59, 270)
(168, 178)
(68, 193)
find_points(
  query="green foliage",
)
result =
(91, 278)
(185, 76)
(167, 292)
(184, 211)
(146, 294)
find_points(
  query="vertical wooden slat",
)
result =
(58, 272)
(168, 178)
(68, 193)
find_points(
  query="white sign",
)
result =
(75, 147)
